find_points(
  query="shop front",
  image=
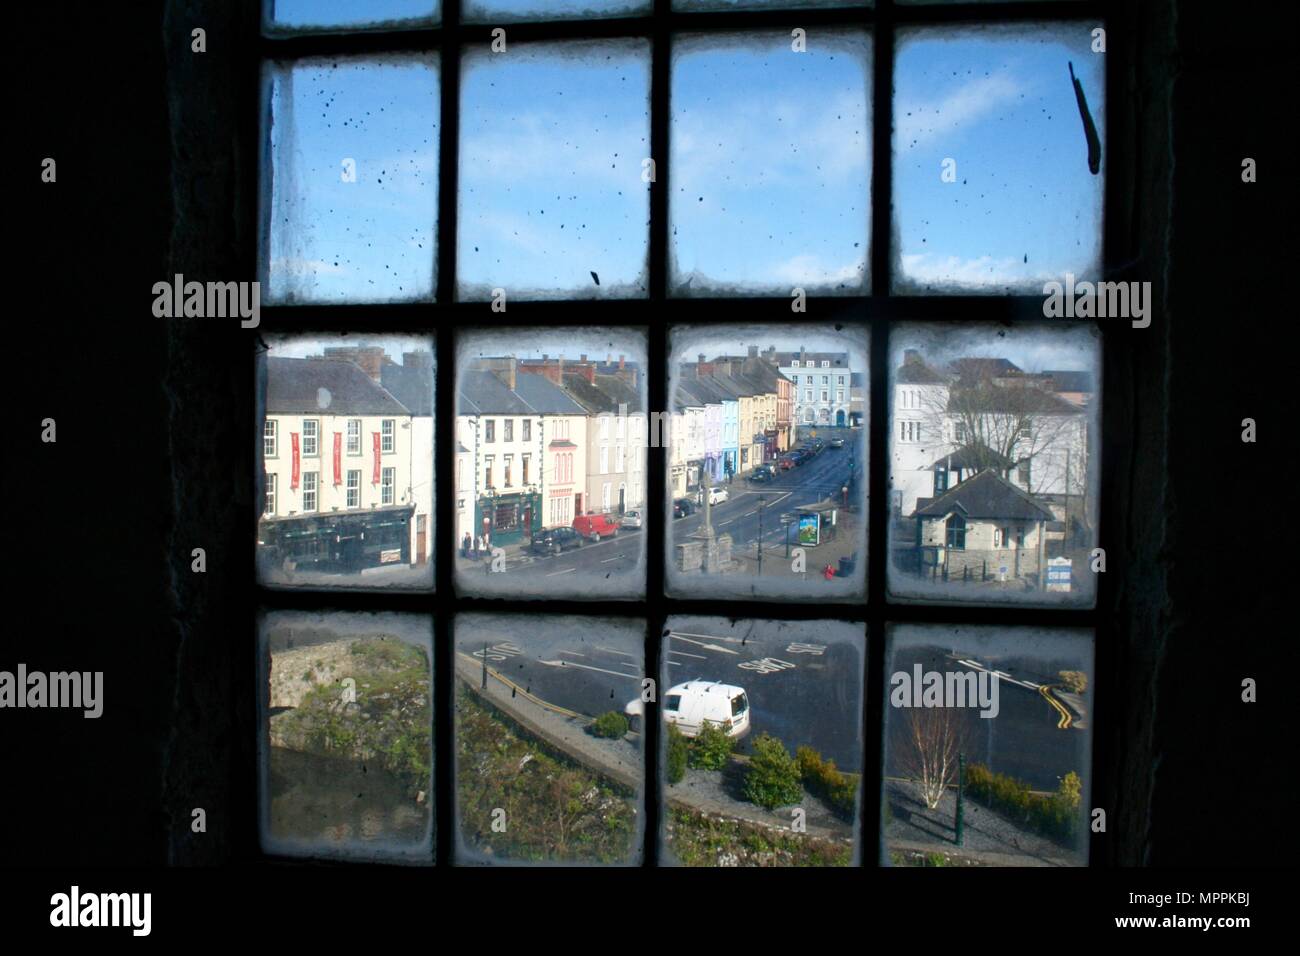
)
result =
(508, 519)
(337, 542)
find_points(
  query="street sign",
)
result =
(1058, 574)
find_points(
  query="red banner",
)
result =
(293, 475)
(374, 480)
(338, 459)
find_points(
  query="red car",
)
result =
(595, 526)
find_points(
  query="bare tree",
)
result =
(928, 743)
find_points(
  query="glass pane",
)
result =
(701, 5)
(995, 464)
(771, 172)
(550, 463)
(549, 766)
(303, 16)
(994, 188)
(346, 749)
(506, 11)
(353, 184)
(767, 462)
(552, 199)
(346, 476)
(762, 745)
(1012, 708)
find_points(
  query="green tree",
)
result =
(711, 749)
(677, 748)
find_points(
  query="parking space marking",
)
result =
(703, 657)
(588, 667)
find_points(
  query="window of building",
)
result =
(354, 436)
(354, 489)
(527, 429)
(268, 438)
(386, 436)
(269, 507)
(387, 486)
(309, 482)
(310, 438)
(489, 430)
(508, 430)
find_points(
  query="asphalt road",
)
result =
(804, 679)
(1024, 739)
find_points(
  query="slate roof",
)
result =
(918, 373)
(412, 386)
(484, 393)
(1017, 399)
(971, 456)
(604, 395)
(973, 370)
(986, 495)
(293, 386)
(837, 359)
(1070, 381)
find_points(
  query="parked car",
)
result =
(595, 526)
(717, 495)
(555, 540)
(631, 519)
(693, 704)
(762, 473)
(786, 462)
(683, 507)
(837, 442)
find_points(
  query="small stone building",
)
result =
(977, 528)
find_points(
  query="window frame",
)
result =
(876, 311)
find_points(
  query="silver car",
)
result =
(631, 519)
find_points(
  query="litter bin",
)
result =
(847, 563)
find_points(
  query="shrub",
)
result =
(711, 749)
(1055, 816)
(1076, 681)
(610, 724)
(773, 777)
(676, 754)
(821, 778)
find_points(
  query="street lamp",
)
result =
(761, 500)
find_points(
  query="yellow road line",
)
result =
(1067, 718)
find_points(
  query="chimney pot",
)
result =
(620, 363)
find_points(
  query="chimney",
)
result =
(511, 373)
(417, 359)
(620, 363)
(545, 356)
(802, 356)
(609, 358)
(911, 357)
(582, 358)
(701, 358)
(753, 351)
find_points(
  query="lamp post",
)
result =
(761, 501)
(961, 775)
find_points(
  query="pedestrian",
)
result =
(464, 546)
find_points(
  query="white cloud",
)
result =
(918, 122)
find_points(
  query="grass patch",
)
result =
(554, 809)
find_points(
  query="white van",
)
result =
(691, 704)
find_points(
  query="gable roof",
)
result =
(410, 385)
(298, 386)
(1070, 381)
(987, 495)
(971, 371)
(973, 455)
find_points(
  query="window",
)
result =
(268, 438)
(354, 436)
(955, 532)
(309, 479)
(269, 507)
(310, 438)
(354, 489)
(386, 436)
(552, 224)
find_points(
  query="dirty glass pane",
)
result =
(995, 464)
(346, 743)
(701, 5)
(767, 462)
(353, 180)
(771, 163)
(507, 11)
(345, 430)
(1012, 707)
(303, 16)
(762, 743)
(549, 765)
(552, 199)
(998, 158)
(551, 463)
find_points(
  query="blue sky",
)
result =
(770, 166)
(999, 103)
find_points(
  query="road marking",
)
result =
(565, 571)
(767, 665)
(601, 647)
(714, 637)
(572, 653)
(817, 649)
(707, 647)
(748, 513)
(702, 657)
(617, 557)
(588, 667)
